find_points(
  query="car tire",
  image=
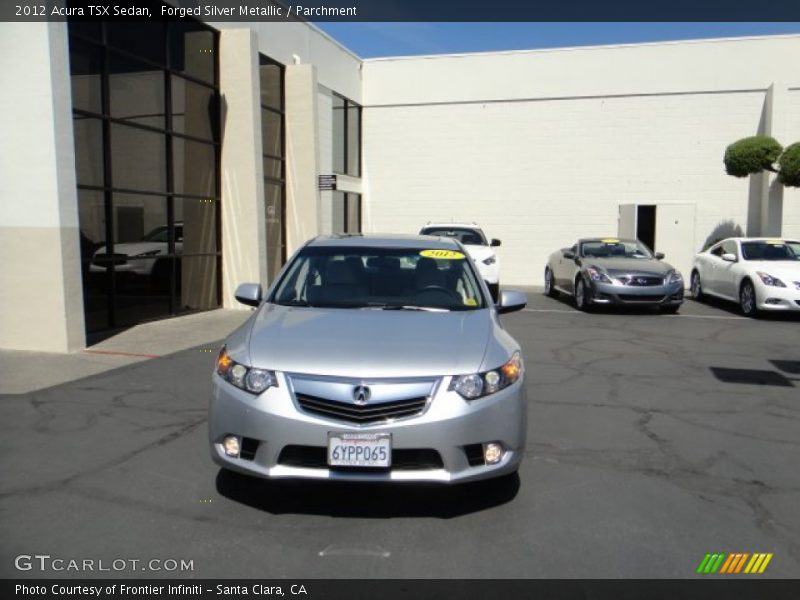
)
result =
(669, 310)
(550, 284)
(696, 287)
(494, 290)
(582, 301)
(747, 299)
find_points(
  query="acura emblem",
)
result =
(641, 280)
(361, 395)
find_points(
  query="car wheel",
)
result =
(582, 300)
(494, 290)
(695, 287)
(669, 310)
(747, 299)
(550, 283)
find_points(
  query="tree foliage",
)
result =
(789, 166)
(751, 155)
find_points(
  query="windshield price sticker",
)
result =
(360, 450)
(442, 254)
(610, 241)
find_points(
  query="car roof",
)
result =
(385, 241)
(756, 239)
(602, 239)
(451, 226)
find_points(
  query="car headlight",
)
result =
(490, 260)
(674, 277)
(476, 385)
(150, 253)
(770, 280)
(248, 379)
(596, 274)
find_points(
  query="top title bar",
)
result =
(404, 10)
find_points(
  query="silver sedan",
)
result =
(602, 271)
(372, 359)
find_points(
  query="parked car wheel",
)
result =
(695, 287)
(747, 299)
(550, 283)
(582, 300)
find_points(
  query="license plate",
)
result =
(360, 449)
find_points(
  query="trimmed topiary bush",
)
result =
(751, 155)
(789, 166)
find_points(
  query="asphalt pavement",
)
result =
(652, 441)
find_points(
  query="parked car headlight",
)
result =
(489, 260)
(673, 277)
(476, 385)
(596, 274)
(770, 280)
(249, 379)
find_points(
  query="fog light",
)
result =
(493, 453)
(231, 446)
(773, 301)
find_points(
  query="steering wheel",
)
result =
(439, 289)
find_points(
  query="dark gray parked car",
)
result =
(597, 271)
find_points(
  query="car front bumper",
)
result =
(772, 298)
(655, 295)
(276, 427)
(489, 273)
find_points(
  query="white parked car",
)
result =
(138, 258)
(757, 273)
(480, 250)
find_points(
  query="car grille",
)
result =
(641, 280)
(403, 459)
(474, 454)
(368, 413)
(641, 297)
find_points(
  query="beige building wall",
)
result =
(542, 147)
(41, 306)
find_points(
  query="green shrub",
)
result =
(751, 155)
(789, 166)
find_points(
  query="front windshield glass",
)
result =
(613, 248)
(380, 278)
(159, 234)
(472, 237)
(771, 250)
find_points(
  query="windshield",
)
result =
(771, 250)
(380, 278)
(472, 237)
(613, 248)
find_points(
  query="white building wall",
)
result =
(540, 148)
(791, 196)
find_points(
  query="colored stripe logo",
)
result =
(734, 563)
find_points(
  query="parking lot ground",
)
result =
(652, 441)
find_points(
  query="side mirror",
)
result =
(729, 257)
(495, 242)
(659, 255)
(511, 301)
(249, 293)
(568, 254)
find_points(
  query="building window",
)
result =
(346, 136)
(346, 212)
(145, 101)
(274, 160)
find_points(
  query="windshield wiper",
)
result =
(293, 303)
(410, 307)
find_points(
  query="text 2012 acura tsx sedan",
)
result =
(372, 359)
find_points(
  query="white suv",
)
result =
(480, 250)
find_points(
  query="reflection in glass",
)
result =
(196, 221)
(86, 67)
(338, 134)
(354, 140)
(191, 50)
(193, 168)
(138, 159)
(271, 132)
(273, 200)
(145, 39)
(96, 279)
(338, 223)
(88, 137)
(198, 287)
(193, 109)
(273, 168)
(136, 91)
(270, 75)
(140, 225)
(353, 213)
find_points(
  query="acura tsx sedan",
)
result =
(598, 271)
(372, 359)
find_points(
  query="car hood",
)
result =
(622, 266)
(134, 248)
(368, 343)
(478, 253)
(785, 270)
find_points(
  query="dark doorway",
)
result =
(646, 225)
